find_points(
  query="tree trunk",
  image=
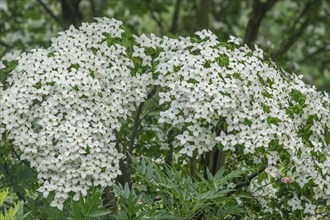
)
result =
(71, 14)
(202, 14)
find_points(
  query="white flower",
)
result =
(309, 208)
(295, 203)
(234, 40)
(2, 65)
(58, 204)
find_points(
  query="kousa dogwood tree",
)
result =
(80, 110)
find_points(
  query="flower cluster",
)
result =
(224, 95)
(66, 103)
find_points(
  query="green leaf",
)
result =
(99, 213)
(20, 215)
(273, 120)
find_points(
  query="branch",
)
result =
(17, 156)
(249, 178)
(323, 214)
(289, 41)
(175, 17)
(304, 11)
(265, 185)
(257, 15)
(220, 160)
(137, 121)
(294, 32)
(169, 140)
(247, 181)
(147, 113)
(136, 125)
(51, 13)
(135, 128)
(157, 20)
(193, 168)
(210, 159)
(317, 51)
(123, 178)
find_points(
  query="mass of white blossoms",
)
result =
(65, 104)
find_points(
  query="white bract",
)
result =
(65, 104)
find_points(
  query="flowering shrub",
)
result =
(64, 106)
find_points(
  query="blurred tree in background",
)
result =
(294, 33)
